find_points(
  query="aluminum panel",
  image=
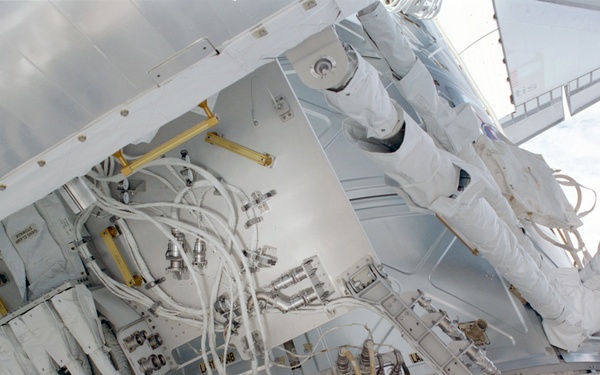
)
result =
(529, 125)
(15, 142)
(309, 215)
(122, 35)
(180, 61)
(57, 48)
(36, 113)
(547, 44)
(583, 97)
(473, 280)
(402, 239)
(183, 22)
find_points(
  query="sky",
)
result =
(573, 146)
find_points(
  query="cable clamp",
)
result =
(88, 260)
(83, 240)
(155, 307)
(154, 283)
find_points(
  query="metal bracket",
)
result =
(3, 309)
(265, 160)
(83, 240)
(475, 331)
(154, 283)
(309, 4)
(283, 109)
(128, 168)
(259, 200)
(261, 258)
(366, 282)
(318, 277)
(108, 236)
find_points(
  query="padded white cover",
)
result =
(45, 263)
(14, 262)
(365, 100)
(527, 182)
(77, 310)
(14, 361)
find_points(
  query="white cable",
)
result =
(137, 214)
(232, 221)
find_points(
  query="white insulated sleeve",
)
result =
(78, 312)
(585, 303)
(13, 361)
(365, 100)
(39, 330)
(478, 222)
(45, 263)
(423, 171)
(590, 274)
(14, 262)
(451, 127)
(34, 348)
(388, 38)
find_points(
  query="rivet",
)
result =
(82, 138)
(124, 112)
(41, 163)
(2, 187)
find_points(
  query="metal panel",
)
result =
(309, 215)
(474, 37)
(583, 93)
(72, 62)
(64, 56)
(520, 129)
(183, 22)
(181, 61)
(547, 44)
(121, 33)
(36, 113)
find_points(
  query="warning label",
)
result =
(25, 234)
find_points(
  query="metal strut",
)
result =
(371, 285)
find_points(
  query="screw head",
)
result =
(124, 112)
(41, 163)
(2, 187)
(82, 138)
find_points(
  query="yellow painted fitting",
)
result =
(128, 168)
(265, 160)
(108, 236)
(3, 310)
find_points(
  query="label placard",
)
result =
(25, 234)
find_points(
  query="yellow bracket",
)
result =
(3, 310)
(265, 160)
(108, 236)
(129, 168)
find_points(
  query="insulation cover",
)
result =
(527, 182)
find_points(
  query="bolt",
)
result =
(82, 138)
(124, 112)
(41, 163)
